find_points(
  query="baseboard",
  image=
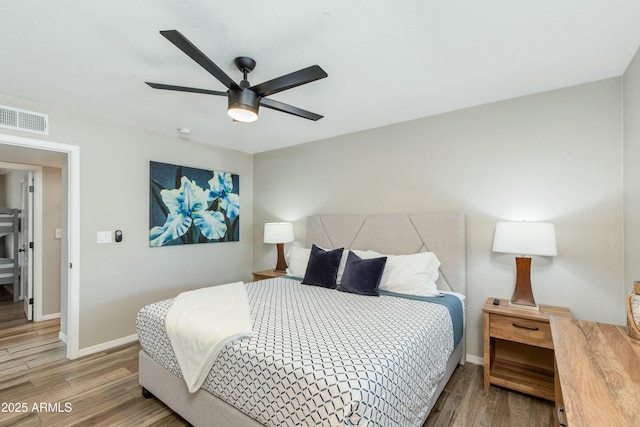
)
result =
(107, 345)
(476, 360)
(49, 317)
(62, 337)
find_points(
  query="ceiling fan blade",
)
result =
(196, 54)
(297, 78)
(186, 89)
(290, 109)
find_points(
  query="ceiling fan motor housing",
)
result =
(244, 99)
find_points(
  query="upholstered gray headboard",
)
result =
(442, 234)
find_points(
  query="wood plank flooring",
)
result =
(102, 389)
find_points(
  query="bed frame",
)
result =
(443, 234)
(9, 268)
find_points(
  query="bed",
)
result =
(9, 269)
(363, 360)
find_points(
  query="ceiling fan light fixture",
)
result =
(243, 105)
(243, 113)
(244, 99)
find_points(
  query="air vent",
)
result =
(24, 120)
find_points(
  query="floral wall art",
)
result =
(189, 205)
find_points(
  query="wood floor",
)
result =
(102, 389)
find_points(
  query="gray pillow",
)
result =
(362, 276)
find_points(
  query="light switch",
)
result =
(104, 237)
(58, 234)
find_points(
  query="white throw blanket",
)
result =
(201, 322)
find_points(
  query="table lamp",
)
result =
(279, 233)
(525, 238)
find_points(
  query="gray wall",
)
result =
(117, 279)
(2, 191)
(51, 246)
(554, 156)
(632, 171)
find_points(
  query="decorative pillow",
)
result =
(362, 276)
(414, 274)
(297, 260)
(322, 269)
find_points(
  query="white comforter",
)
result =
(201, 322)
(323, 357)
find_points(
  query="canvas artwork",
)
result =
(189, 205)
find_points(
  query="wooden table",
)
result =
(267, 274)
(598, 368)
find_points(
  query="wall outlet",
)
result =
(104, 237)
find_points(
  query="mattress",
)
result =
(6, 268)
(6, 262)
(320, 356)
(6, 224)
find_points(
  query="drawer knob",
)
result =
(530, 328)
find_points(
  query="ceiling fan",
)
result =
(244, 99)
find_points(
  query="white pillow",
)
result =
(342, 266)
(297, 260)
(414, 274)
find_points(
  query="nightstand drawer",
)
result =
(517, 329)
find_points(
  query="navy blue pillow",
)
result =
(322, 269)
(362, 276)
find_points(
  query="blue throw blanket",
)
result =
(451, 302)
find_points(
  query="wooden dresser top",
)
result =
(599, 370)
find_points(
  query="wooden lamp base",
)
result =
(522, 294)
(281, 266)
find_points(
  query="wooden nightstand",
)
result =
(518, 348)
(267, 274)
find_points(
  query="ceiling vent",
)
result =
(24, 120)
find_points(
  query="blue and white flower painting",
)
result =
(189, 205)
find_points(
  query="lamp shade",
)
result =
(278, 232)
(525, 238)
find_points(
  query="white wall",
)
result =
(117, 279)
(631, 85)
(555, 156)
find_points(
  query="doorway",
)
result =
(14, 148)
(24, 247)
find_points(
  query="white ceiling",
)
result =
(388, 62)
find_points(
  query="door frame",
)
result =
(27, 269)
(72, 167)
